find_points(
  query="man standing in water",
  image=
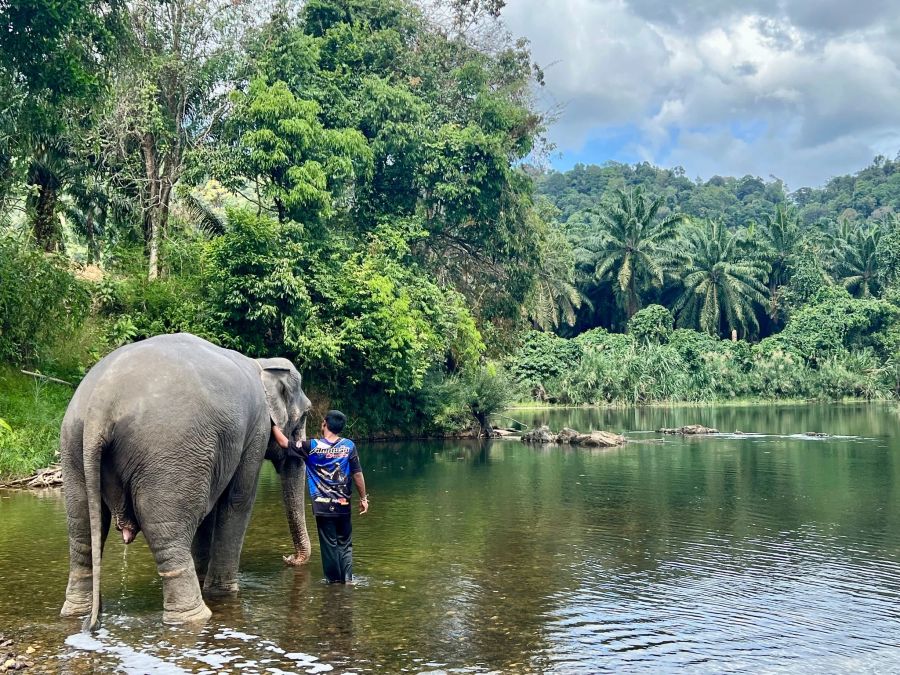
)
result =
(331, 462)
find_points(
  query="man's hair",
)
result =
(335, 420)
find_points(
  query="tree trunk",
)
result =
(93, 249)
(45, 224)
(152, 206)
(47, 230)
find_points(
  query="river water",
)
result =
(760, 553)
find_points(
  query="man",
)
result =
(331, 461)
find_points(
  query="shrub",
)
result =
(651, 325)
(40, 300)
(543, 357)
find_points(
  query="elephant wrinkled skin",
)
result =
(167, 436)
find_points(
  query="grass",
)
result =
(33, 410)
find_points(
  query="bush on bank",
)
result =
(834, 348)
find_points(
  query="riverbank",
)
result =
(32, 410)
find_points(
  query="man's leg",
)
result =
(344, 531)
(328, 545)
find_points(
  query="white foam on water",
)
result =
(131, 660)
(227, 633)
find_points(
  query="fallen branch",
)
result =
(49, 477)
(47, 377)
(511, 419)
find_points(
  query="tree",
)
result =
(295, 163)
(54, 60)
(554, 300)
(724, 280)
(168, 100)
(781, 238)
(857, 269)
(887, 255)
(633, 248)
(446, 124)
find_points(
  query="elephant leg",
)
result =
(202, 543)
(232, 517)
(168, 514)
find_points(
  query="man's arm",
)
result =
(360, 483)
(300, 449)
(280, 438)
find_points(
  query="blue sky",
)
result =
(799, 89)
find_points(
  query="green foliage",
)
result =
(836, 322)
(543, 357)
(281, 144)
(253, 285)
(807, 278)
(486, 390)
(52, 55)
(40, 300)
(651, 325)
(32, 410)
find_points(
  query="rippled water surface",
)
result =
(773, 552)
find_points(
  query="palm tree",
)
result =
(857, 269)
(724, 281)
(836, 241)
(554, 299)
(633, 250)
(782, 236)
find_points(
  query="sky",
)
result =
(799, 89)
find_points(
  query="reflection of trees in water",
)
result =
(868, 420)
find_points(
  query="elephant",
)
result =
(167, 436)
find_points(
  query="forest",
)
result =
(362, 186)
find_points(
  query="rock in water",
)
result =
(542, 434)
(689, 430)
(600, 439)
(595, 439)
(567, 435)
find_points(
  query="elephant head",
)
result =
(288, 407)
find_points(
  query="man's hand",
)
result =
(280, 438)
(363, 505)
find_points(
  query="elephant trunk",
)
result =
(293, 478)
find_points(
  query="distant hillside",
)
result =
(869, 194)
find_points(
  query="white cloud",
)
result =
(816, 81)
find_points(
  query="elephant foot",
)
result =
(198, 614)
(218, 588)
(76, 607)
(182, 601)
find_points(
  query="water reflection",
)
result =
(742, 552)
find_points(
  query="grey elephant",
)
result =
(167, 436)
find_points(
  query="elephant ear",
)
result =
(275, 373)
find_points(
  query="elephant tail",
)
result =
(92, 448)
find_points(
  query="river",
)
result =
(774, 552)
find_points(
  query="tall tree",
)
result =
(54, 58)
(781, 238)
(724, 280)
(169, 98)
(633, 249)
(857, 269)
(554, 300)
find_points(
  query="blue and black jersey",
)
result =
(329, 468)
